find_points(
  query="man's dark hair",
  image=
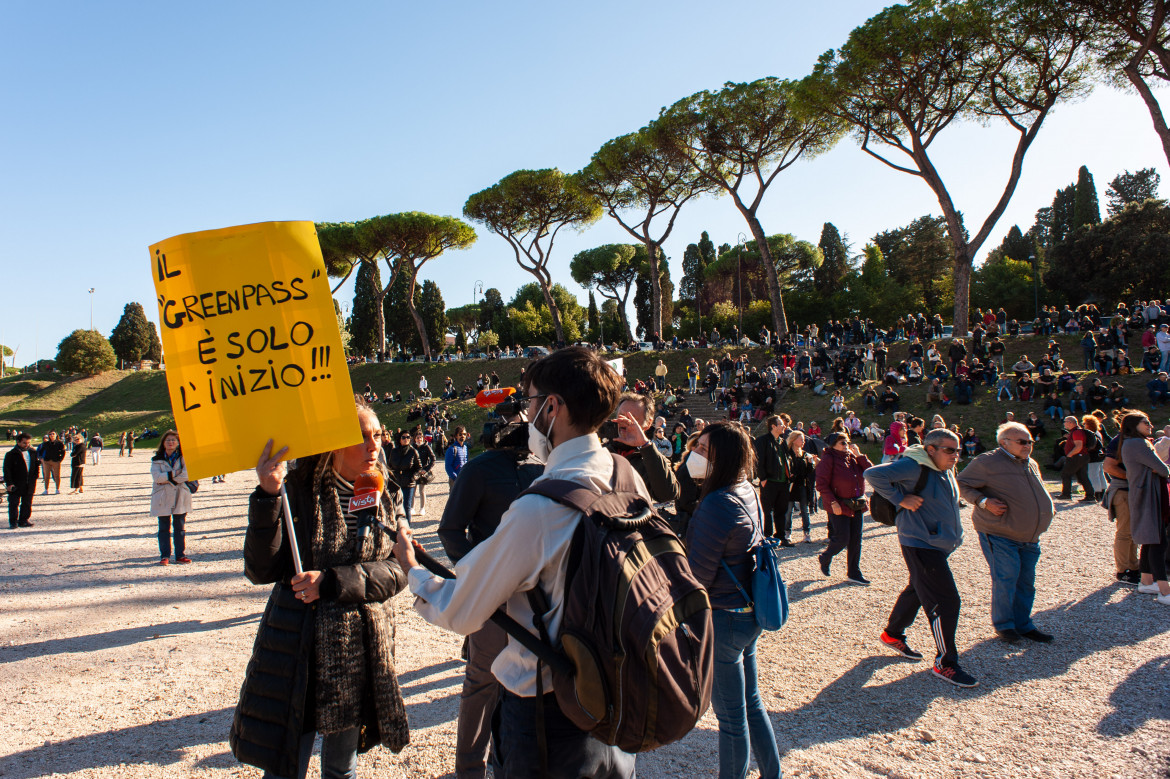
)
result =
(731, 454)
(23, 437)
(589, 387)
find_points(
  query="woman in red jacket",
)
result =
(842, 489)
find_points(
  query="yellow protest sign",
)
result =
(251, 345)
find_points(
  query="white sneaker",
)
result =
(58, 492)
(46, 492)
(420, 512)
(1163, 599)
(1149, 589)
(807, 538)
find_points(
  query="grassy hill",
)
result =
(118, 400)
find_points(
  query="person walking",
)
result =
(426, 457)
(95, 448)
(456, 455)
(772, 469)
(77, 466)
(405, 465)
(801, 488)
(1116, 501)
(725, 529)
(130, 443)
(1076, 461)
(122, 444)
(170, 500)
(1147, 474)
(841, 486)
(21, 469)
(323, 661)
(1012, 510)
(929, 529)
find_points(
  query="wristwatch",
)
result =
(982, 503)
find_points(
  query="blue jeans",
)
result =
(179, 522)
(1013, 581)
(1073, 404)
(338, 756)
(804, 518)
(408, 501)
(735, 698)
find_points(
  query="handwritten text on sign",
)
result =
(252, 346)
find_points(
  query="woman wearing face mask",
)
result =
(726, 527)
(840, 482)
(170, 500)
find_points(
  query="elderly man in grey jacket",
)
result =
(922, 485)
(1012, 509)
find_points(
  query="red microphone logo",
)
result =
(367, 490)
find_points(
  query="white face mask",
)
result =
(698, 466)
(538, 443)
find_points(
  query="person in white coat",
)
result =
(170, 499)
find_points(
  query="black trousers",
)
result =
(774, 504)
(845, 533)
(932, 589)
(20, 505)
(1076, 466)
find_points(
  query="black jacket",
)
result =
(16, 473)
(654, 469)
(770, 457)
(485, 489)
(276, 700)
(54, 451)
(406, 464)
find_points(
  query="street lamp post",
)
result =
(742, 243)
(1035, 281)
(91, 308)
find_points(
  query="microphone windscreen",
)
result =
(493, 397)
(367, 491)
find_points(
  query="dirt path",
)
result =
(115, 666)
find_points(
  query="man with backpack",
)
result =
(929, 529)
(524, 567)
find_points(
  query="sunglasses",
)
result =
(1022, 441)
(948, 449)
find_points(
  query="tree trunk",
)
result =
(417, 317)
(963, 262)
(655, 288)
(381, 311)
(1155, 110)
(775, 294)
(546, 289)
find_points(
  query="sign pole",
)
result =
(290, 531)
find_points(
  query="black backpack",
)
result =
(887, 513)
(636, 628)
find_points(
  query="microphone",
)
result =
(493, 397)
(367, 491)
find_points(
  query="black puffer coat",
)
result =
(276, 699)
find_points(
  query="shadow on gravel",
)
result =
(155, 743)
(851, 708)
(452, 671)
(117, 638)
(1141, 697)
(62, 582)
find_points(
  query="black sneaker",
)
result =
(824, 564)
(786, 543)
(1038, 636)
(1008, 636)
(1131, 578)
(954, 674)
(900, 646)
(857, 579)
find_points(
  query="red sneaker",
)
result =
(165, 561)
(182, 559)
(900, 646)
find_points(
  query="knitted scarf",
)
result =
(354, 641)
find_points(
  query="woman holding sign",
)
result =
(323, 661)
(170, 500)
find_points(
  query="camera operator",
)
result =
(634, 418)
(486, 486)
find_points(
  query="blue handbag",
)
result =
(771, 593)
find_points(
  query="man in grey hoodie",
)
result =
(922, 485)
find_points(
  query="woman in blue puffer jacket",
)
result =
(725, 528)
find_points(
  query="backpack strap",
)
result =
(923, 476)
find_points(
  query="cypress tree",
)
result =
(130, 338)
(1086, 209)
(363, 318)
(828, 278)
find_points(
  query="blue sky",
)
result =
(128, 123)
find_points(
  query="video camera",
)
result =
(499, 433)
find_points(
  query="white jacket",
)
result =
(168, 498)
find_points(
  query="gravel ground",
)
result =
(115, 666)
